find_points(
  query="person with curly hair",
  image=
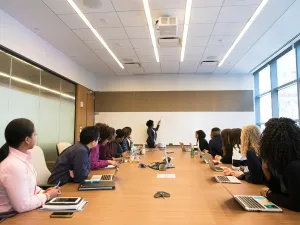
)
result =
(252, 173)
(280, 152)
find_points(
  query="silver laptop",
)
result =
(213, 167)
(183, 147)
(256, 203)
(168, 165)
(227, 179)
(206, 157)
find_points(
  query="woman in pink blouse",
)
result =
(18, 189)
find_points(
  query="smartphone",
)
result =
(62, 215)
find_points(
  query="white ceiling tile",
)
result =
(120, 51)
(138, 32)
(207, 3)
(112, 43)
(192, 57)
(144, 51)
(151, 67)
(244, 2)
(197, 41)
(128, 58)
(169, 51)
(179, 13)
(236, 14)
(106, 57)
(59, 7)
(136, 70)
(197, 51)
(170, 67)
(73, 21)
(147, 58)
(105, 19)
(123, 74)
(223, 69)
(112, 33)
(94, 45)
(222, 40)
(228, 28)
(200, 29)
(133, 18)
(169, 58)
(188, 67)
(218, 51)
(85, 34)
(128, 5)
(205, 69)
(204, 15)
(167, 4)
(141, 43)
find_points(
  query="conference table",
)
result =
(196, 198)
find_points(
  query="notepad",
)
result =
(166, 175)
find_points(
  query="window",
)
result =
(286, 68)
(288, 102)
(264, 80)
(265, 108)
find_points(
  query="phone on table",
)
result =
(62, 215)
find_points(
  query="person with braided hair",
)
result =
(280, 152)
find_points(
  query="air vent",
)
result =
(169, 42)
(132, 65)
(209, 63)
(167, 26)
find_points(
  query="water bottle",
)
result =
(192, 153)
(143, 150)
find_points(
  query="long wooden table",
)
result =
(196, 198)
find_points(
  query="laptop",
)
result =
(213, 167)
(168, 165)
(256, 203)
(206, 156)
(227, 179)
(99, 182)
(183, 147)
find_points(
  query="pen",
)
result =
(57, 186)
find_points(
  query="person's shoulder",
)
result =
(251, 153)
(11, 165)
(294, 167)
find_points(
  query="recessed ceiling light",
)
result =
(252, 19)
(89, 25)
(187, 16)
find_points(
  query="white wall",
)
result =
(176, 126)
(175, 82)
(15, 36)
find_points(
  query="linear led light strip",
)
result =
(256, 13)
(187, 16)
(36, 85)
(151, 29)
(85, 20)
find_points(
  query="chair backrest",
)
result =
(60, 147)
(39, 164)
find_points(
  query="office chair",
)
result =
(60, 147)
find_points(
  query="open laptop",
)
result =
(206, 157)
(183, 147)
(256, 203)
(213, 167)
(168, 165)
(99, 182)
(227, 179)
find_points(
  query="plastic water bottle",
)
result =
(143, 150)
(192, 152)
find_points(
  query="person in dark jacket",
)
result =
(152, 133)
(126, 144)
(119, 151)
(201, 141)
(227, 147)
(73, 164)
(280, 152)
(215, 143)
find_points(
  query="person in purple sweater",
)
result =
(95, 160)
(107, 152)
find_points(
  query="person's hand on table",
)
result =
(205, 151)
(218, 158)
(227, 171)
(125, 154)
(113, 163)
(53, 192)
(236, 173)
(264, 191)
(71, 173)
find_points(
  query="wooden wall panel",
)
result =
(175, 101)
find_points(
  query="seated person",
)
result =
(201, 141)
(215, 143)
(235, 138)
(73, 165)
(96, 163)
(108, 152)
(280, 152)
(250, 138)
(18, 189)
(119, 152)
(152, 133)
(126, 144)
(226, 146)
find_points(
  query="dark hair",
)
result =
(201, 134)
(226, 143)
(89, 134)
(150, 123)
(280, 143)
(215, 129)
(235, 137)
(111, 132)
(104, 133)
(15, 133)
(127, 131)
(120, 133)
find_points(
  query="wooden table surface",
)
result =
(196, 198)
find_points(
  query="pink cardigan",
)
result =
(94, 158)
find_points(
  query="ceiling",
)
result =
(214, 25)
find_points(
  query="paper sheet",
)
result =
(160, 175)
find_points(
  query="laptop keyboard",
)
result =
(223, 179)
(250, 202)
(106, 177)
